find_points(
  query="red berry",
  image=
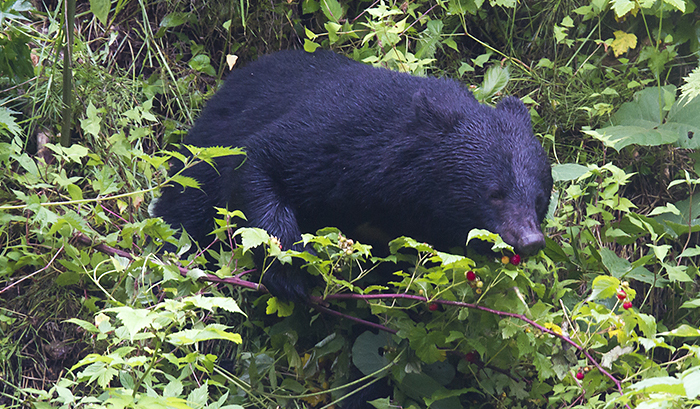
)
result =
(580, 375)
(627, 305)
(432, 306)
(621, 295)
(470, 357)
(471, 276)
(515, 260)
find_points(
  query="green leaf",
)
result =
(310, 46)
(568, 171)
(100, 8)
(202, 63)
(604, 287)
(678, 4)
(495, 79)
(366, 354)
(689, 91)
(88, 326)
(134, 319)
(691, 304)
(616, 265)
(173, 20)
(208, 303)
(687, 221)
(7, 121)
(683, 331)
(185, 181)
(210, 332)
(622, 7)
(91, 124)
(332, 9)
(252, 237)
(691, 381)
(617, 137)
(281, 308)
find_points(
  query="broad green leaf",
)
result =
(687, 221)
(622, 7)
(568, 171)
(366, 354)
(691, 381)
(691, 304)
(617, 137)
(616, 265)
(604, 287)
(100, 8)
(208, 303)
(662, 384)
(332, 9)
(212, 331)
(252, 237)
(678, 4)
(173, 20)
(202, 63)
(683, 330)
(134, 319)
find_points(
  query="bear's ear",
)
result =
(433, 111)
(515, 106)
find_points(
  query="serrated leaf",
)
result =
(689, 90)
(683, 331)
(134, 320)
(279, 307)
(495, 79)
(208, 303)
(623, 42)
(678, 4)
(8, 121)
(210, 332)
(622, 7)
(252, 237)
(604, 287)
(332, 9)
(185, 181)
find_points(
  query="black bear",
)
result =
(333, 142)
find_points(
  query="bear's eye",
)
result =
(497, 194)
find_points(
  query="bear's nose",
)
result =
(530, 243)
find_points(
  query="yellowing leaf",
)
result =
(623, 42)
(554, 327)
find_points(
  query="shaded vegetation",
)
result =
(92, 314)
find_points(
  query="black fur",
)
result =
(332, 142)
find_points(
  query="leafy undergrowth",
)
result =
(576, 325)
(94, 314)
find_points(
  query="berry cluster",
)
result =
(345, 244)
(622, 296)
(474, 281)
(274, 240)
(581, 373)
(514, 259)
